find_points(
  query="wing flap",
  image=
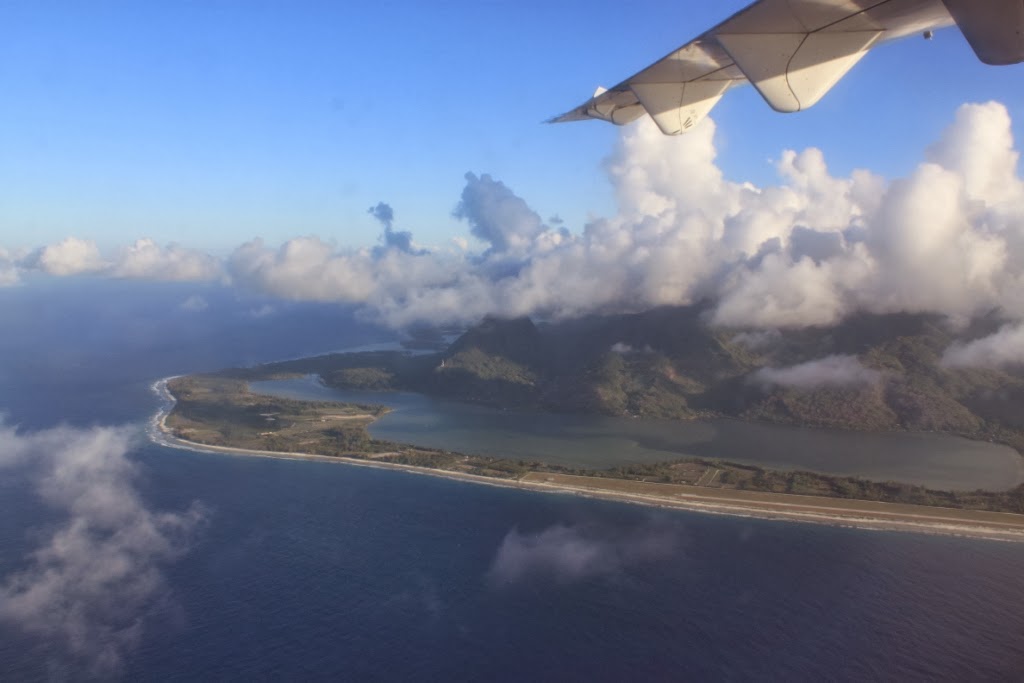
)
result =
(616, 106)
(792, 71)
(678, 107)
(793, 51)
(676, 91)
(791, 16)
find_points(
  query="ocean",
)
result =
(296, 570)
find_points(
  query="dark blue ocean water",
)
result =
(312, 571)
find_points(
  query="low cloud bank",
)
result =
(145, 259)
(1003, 349)
(947, 239)
(91, 585)
(831, 371)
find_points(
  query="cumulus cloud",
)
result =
(810, 250)
(70, 256)
(497, 215)
(303, 268)
(572, 553)
(147, 260)
(383, 213)
(92, 584)
(392, 239)
(831, 371)
(949, 238)
(1002, 349)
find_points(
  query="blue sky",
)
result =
(209, 123)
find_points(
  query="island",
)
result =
(664, 363)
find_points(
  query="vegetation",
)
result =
(664, 363)
(752, 478)
(667, 363)
(219, 410)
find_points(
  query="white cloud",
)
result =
(948, 239)
(1002, 349)
(496, 215)
(757, 340)
(810, 250)
(70, 256)
(304, 268)
(9, 272)
(90, 586)
(978, 147)
(146, 260)
(9, 275)
(194, 304)
(572, 553)
(831, 371)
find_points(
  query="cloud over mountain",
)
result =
(831, 371)
(1003, 349)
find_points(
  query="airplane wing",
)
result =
(793, 52)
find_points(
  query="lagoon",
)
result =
(938, 461)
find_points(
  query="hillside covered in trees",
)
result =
(871, 372)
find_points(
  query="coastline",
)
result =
(841, 512)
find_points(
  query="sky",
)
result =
(392, 156)
(210, 123)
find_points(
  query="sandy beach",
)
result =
(861, 514)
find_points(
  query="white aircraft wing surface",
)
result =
(793, 52)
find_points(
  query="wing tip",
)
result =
(568, 117)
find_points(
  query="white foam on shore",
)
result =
(157, 427)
